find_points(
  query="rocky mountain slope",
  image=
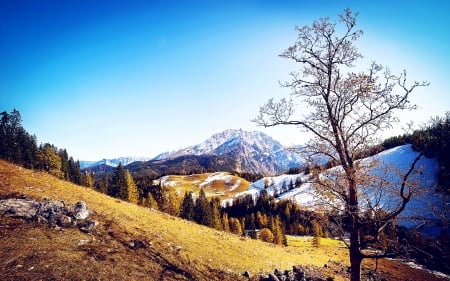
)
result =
(254, 152)
(112, 162)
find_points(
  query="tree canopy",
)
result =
(347, 111)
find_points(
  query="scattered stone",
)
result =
(82, 242)
(278, 272)
(137, 244)
(298, 273)
(88, 226)
(54, 213)
(65, 221)
(273, 277)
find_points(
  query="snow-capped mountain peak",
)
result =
(255, 151)
(112, 162)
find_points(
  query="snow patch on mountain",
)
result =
(255, 152)
(392, 164)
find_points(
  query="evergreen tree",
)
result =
(252, 226)
(278, 235)
(74, 171)
(225, 222)
(235, 226)
(202, 209)
(151, 202)
(118, 184)
(131, 193)
(187, 207)
(48, 159)
(64, 163)
(89, 179)
(266, 235)
(317, 233)
(215, 214)
(103, 184)
(172, 204)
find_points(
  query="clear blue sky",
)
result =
(109, 78)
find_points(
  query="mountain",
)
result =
(254, 152)
(112, 162)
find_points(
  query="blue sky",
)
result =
(106, 78)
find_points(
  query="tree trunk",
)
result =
(355, 257)
(353, 208)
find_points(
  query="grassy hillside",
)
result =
(221, 184)
(176, 249)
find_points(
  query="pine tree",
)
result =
(252, 226)
(187, 207)
(118, 185)
(151, 201)
(103, 184)
(215, 213)
(132, 193)
(202, 209)
(172, 203)
(235, 226)
(278, 235)
(266, 235)
(317, 233)
(64, 163)
(74, 171)
(225, 223)
(48, 159)
(89, 179)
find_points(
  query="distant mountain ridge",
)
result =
(112, 162)
(243, 151)
(254, 152)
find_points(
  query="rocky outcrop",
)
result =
(298, 273)
(50, 212)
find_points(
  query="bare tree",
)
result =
(347, 112)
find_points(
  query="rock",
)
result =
(273, 277)
(137, 244)
(21, 208)
(87, 226)
(65, 220)
(81, 211)
(278, 272)
(246, 274)
(53, 213)
(83, 242)
(297, 269)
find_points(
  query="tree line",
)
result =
(434, 140)
(20, 147)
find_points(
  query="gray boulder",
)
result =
(80, 211)
(22, 208)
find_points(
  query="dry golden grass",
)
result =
(179, 249)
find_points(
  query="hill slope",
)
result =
(175, 249)
(392, 163)
(179, 250)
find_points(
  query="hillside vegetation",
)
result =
(175, 249)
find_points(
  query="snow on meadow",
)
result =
(391, 165)
(221, 176)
